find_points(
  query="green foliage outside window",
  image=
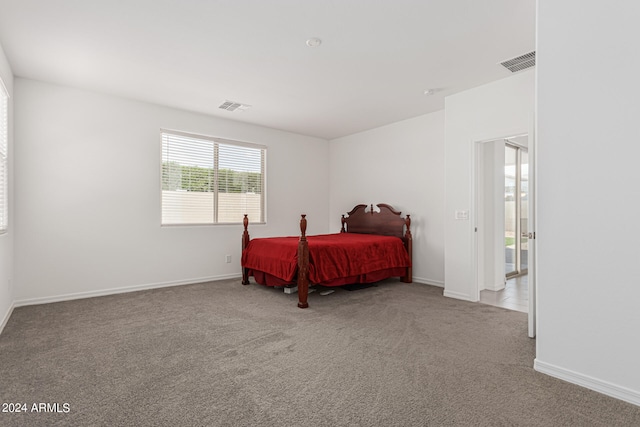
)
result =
(176, 177)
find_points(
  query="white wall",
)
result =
(491, 216)
(499, 109)
(401, 164)
(7, 239)
(107, 150)
(588, 194)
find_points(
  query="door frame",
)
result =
(533, 243)
(532, 265)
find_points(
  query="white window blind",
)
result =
(4, 158)
(208, 180)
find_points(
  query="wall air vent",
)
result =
(521, 62)
(233, 106)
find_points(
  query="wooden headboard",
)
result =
(387, 221)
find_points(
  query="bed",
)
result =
(371, 246)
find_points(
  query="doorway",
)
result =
(502, 222)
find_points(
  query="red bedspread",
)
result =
(331, 256)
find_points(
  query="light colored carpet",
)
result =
(223, 354)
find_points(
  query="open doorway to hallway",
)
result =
(503, 222)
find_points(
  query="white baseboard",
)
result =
(458, 295)
(438, 283)
(495, 287)
(6, 317)
(604, 387)
(112, 291)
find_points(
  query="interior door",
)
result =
(531, 231)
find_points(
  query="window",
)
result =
(4, 158)
(208, 180)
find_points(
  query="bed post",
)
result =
(303, 265)
(408, 243)
(245, 243)
(344, 221)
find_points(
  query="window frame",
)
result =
(216, 141)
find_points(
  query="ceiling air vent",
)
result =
(521, 62)
(233, 106)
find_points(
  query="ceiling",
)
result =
(376, 59)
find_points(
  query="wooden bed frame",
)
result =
(387, 222)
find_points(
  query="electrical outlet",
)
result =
(227, 259)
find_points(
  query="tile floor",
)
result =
(515, 295)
